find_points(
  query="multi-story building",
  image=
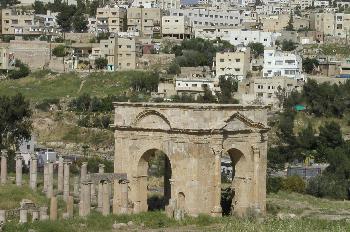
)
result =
(176, 26)
(20, 22)
(162, 4)
(321, 4)
(210, 17)
(237, 36)
(121, 53)
(233, 64)
(278, 63)
(279, 22)
(110, 19)
(146, 21)
(331, 24)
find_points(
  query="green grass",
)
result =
(40, 85)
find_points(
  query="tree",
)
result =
(227, 87)
(290, 26)
(6, 3)
(174, 68)
(59, 51)
(79, 22)
(288, 45)
(92, 8)
(306, 139)
(101, 63)
(39, 7)
(207, 97)
(330, 135)
(22, 70)
(65, 17)
(15, 121)
(309, 64)
(257, 49)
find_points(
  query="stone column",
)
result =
(53, 209)
(43, 213)
(106, 205)
(85, 199)
(124, 196)
(101, 168)
(83, 172)
(33, 171)
(46, 176)
(70, 206)
(49, 192)
(76, 186)
(23, 216)
(3, 166)
(66, 180)
(100, 196)
(2, 217)
(217, 211)
(19, 159)
(35, 215)
(60, 175)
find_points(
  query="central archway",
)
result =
(154, 174)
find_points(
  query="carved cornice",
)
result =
(246, 121)
(146, 113)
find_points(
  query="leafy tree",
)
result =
(56, 6)
(15, 121)
(92, 7)
(207, 97)
(174, 68)
(306, 138)
(288, 45)
(227, 87)
(330, 135)
(39, 7)
(309, 64)
(101, 63)
(65, 17)
(257, 49)
(6, 3)
(290, 26)
(79, 22)
(22, 70)
(59, 51)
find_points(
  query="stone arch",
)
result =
(142, 174)
(152, 119)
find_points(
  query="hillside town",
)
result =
(174, 115)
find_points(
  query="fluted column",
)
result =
(60, 175)
(66, 180)
(3, 167)
(19, 159)
(49, 192)
(33, 171)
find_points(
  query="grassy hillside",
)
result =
(43, 85)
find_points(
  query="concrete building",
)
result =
(121, 53)
(146, 21)
(179, 27)
(233, 64)
(237, 36)
(321, 4)
(20, 22)
(110, 19)
(266, 91)
(331, 24)
(7, 58)
(345, 67)
(278, 63)
(278, 23)
(162, 4)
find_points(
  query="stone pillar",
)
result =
(33, 171)
(106, 205)
(2, 217)
(76, 186)
(83, 172)
(70, 206)
(23, 216)
(43, 213)
(217, 210)
(101, 168)
(35, 215)
(100, 196)
(60, 175)
(53, 209)
(19, 159)
(66, 180)
(85, 199)
(124, 196)
(3, 166)
(49, 192)
(46, 176)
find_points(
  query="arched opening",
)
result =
(154, 174)
(230, 163)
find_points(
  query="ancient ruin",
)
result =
(194, 138)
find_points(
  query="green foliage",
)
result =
(227, 87)
(47, 103)
(65, 17)
(79, 22)
(288, 45)
(290, 26)
(274, 184)
(328, 186)
(86, 103)
(22, 70)
(7, 38)
(95, 161)
(257, 49)
(101, 63)
(293, 184)
(15, 121)
(226, 200)
(95, 120)
(145, 83)
(6, 3)
(39, 7)
(207, 97)
(330, 135)
(102, 36)
(310, 64)
(174, 68)
(59, 51)
(184, 98)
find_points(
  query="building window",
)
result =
(194, 85)
(222, 60)
(238, 60)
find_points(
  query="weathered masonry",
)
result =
(193, 137)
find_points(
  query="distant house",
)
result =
(306, 172)
(46, 155)
(26, 148)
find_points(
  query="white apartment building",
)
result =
(321, 4)
(110, 19)
(278, 63)
(233, 64)
(237, 36)
(163, 4)
(176, 26)
(213, 17)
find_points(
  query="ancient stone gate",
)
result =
(194, 137)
